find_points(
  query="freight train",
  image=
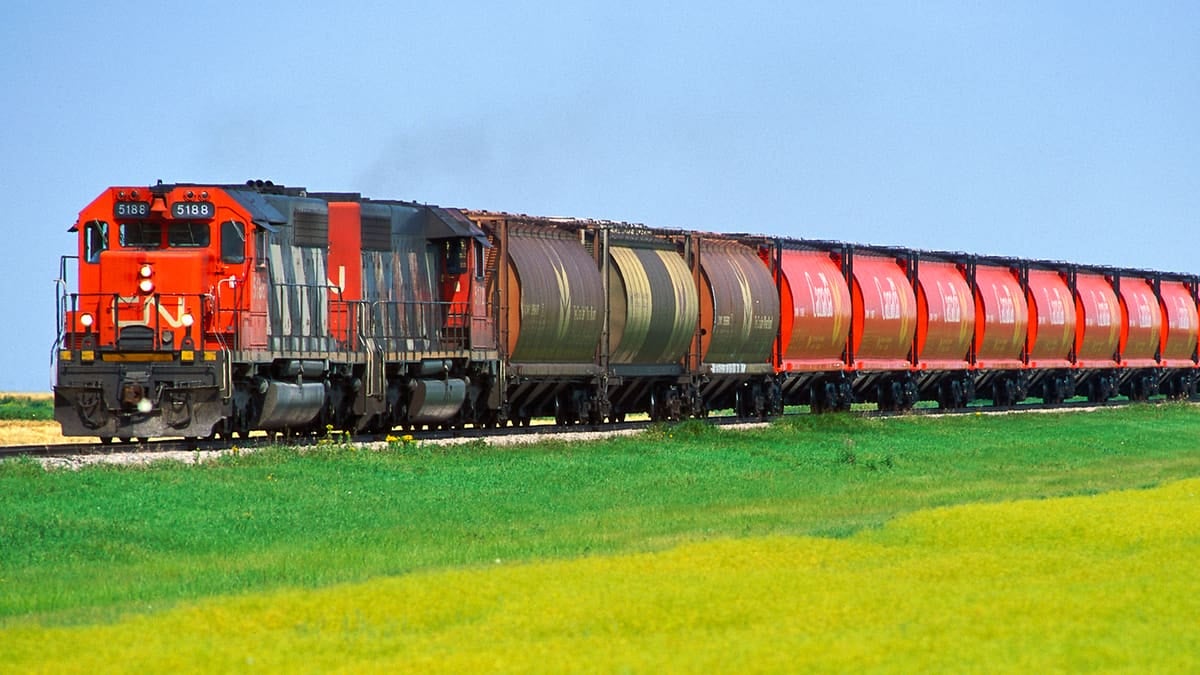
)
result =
(199, 310)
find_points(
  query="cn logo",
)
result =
(341, 280)
(149, 305)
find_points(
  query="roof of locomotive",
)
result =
(260, 198)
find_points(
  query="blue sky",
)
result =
(1064, 130)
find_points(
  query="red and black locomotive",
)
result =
(193, 310)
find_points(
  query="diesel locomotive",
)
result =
(195, 310)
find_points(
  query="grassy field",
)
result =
(1068, 584)
(26, 407)
(686, 547)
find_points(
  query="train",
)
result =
(202, 310)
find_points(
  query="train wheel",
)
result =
(1137, 391)
(821, 398)
(1004, 393)
(106, 440)
(887, 395)
(950, 395)
(1053, 393)
(910, 394)
(845, 397)
(560, 411)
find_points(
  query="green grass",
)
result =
(15, 407)
(92, 545)
(1100, 583)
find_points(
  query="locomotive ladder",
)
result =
(375, 375)
(226, 369)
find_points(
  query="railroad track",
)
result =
(166, 447)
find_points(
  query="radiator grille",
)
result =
(376, 233)
(311, 228)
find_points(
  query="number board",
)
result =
(192, 210)
(131, 210)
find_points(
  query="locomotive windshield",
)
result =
(149, 235)
(187, 235)
(141, 235)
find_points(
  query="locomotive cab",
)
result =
(142, 338)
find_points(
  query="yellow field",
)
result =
(33, 432)
(1089, 583)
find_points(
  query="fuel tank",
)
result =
(435, 400)
(287, 405)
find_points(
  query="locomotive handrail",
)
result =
(392, 324)
(236, 312)
(313, 326)
(219, 336)
(61, 297)
(115, 303)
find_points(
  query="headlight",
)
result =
(145, 271)
(188, 320)
(144, 406)
(86, 320)
(146, 285)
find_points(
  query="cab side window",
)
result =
(95, 240)
(456, 257)
(233, 242)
